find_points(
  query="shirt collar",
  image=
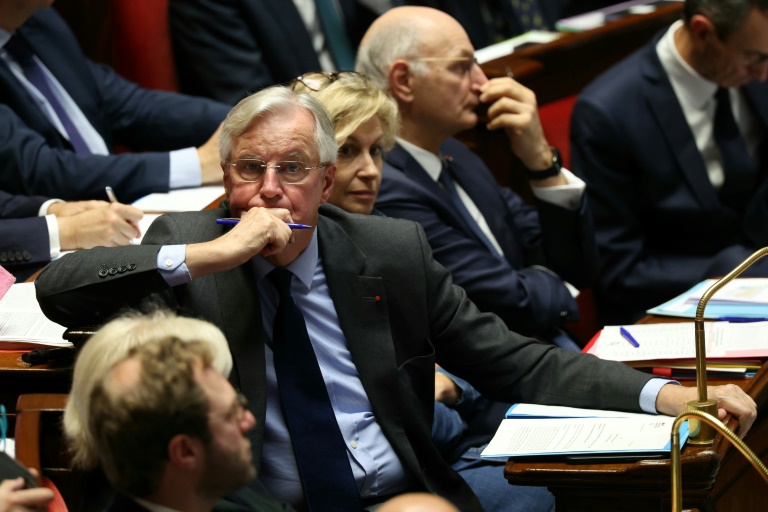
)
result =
(698, 90)
(5, 36)
(429, 161)
(303, 267)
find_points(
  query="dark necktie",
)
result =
(321, 453)
(446, 180)
(336, 35)
(738, 165)
(22, 53)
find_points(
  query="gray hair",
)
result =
(384, 46)
(278, 100)
(727, 15)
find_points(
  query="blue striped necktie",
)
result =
(23, 54)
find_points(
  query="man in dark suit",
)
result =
(61, 117)
(224, 50)
(34, 229)
(513, 259)
(376, 311)
(169, 428)
(653, 138)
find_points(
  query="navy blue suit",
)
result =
(530, 300)
(24, 245)
(659, 223)
(225, 49)
(36, 159)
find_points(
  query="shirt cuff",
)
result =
(53, 235)
(568, 196)
(185, 169)
(44, 207)
(650, 392)
(170, 263)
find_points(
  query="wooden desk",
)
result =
(716, 477)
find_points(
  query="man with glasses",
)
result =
(335, 329)
(673, 145)
(516, 260)
(170, 429)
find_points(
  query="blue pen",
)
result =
(625, 334)
(740, 319)
(232, 222)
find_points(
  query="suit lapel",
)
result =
(297, 39)
(361, 304)
(673, 125)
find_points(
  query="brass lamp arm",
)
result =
(677, 480)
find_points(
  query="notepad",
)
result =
(592, 431)
(23, 326)
(741, 298)
(181, 200)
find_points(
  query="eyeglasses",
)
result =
(289, 172)
(317, 80)
(236, 411)
(469, 61)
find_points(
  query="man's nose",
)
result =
(270, 184)
(478, 75)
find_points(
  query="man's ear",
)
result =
(185, 452)
(702, 30)
(227, 178)
(329, 176)
(400, 81)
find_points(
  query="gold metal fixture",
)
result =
(701, 433)
(714, 424)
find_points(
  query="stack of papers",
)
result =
(540, 430)
(741, 298)
(181, 200)
(23, 326)
(734, 350)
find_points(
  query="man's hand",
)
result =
(731, 399)
(14, 498)
(111, 225)
(210, 163)
(260, 231)
(446, 391)
(69, 208)
(513, 108)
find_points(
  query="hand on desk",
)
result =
(14, 498)
(731, 399)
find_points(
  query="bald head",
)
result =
(418, 502)
(401, 33)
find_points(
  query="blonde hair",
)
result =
(111, 344)
(351, 100)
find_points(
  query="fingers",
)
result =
(733, 400)
(66, 209)
(14, 498)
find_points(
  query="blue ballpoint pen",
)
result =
(740, 319)
(232, 222)
(625, 334)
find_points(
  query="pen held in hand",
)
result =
(232, 222)
(631, 339)
(111, 194)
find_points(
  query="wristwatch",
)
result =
(552, 171)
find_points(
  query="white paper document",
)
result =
(678, 341)
(523, 410)
(181, 200)
(23, 323)
(571, 436)
(504, 48)
(144, 224)
(745, 290)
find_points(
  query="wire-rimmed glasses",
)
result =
(319, 80)
(289, 172)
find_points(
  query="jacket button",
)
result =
(112, 271)
(132, 266)
(27, 255)
(11, 256)
(19, 256)
(3, 257)
(121, 269)
(103, 273)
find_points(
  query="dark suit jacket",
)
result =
(420, 319)
(225, 49)
(529, 300)
(36, 159)
(659, 223)
(24, 243)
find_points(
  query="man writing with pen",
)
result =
(340, 325)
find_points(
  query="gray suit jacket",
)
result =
(421, 318)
